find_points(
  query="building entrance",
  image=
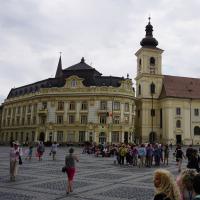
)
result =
(152, 137)
(102, 138)
(178, 139)
(42, 136)
(126, 137)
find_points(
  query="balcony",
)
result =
(43, 111)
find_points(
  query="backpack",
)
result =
(122, 152)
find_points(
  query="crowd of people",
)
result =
(185, 187)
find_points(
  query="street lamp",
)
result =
(152, 90)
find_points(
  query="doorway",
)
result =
(152, 137)
(178, 139)
(126, 137)
(102, 138)
(42, 136)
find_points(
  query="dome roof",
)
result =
(149, 40)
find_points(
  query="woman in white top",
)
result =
(14, 160)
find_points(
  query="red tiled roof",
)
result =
(180, 87)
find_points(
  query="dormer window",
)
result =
(73, 83)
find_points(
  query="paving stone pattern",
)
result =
(95, 179)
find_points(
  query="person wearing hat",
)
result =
(70, 169)
(14, 160)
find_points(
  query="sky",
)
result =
(107, 33)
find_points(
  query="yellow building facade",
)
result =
(71, 108)
(167, 106)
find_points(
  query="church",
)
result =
(80, 104)
(167, 106)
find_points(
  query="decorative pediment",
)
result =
(127, 84)
(74, 82)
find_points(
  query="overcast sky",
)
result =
(106, 32)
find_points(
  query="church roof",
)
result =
(180, 87)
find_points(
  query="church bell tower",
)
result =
(148, 87)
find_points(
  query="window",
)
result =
(116, 105)
(14, 111)
(18, 120)
(196, 130)
(138, 113)
(71, 119)
(81, 136)
(153, 112)
(115, 136)
(8, 121)
(116, 119)
(178, 124)
(126, 107)
(60, 136)
(152, 69)
(60, 105)
(33, 136)
(9, 111)
(72, 105)
(139, 65)
(29, 108)
(29, 120)
(126, 119)
(102, 119)
(18, 110)
(24, 109)
(178, 111)
(13, 121)
(84, 105)
(73, 83)
(35, 108)
(103, 105)
(23, 120)
(196, 112)
(44, 105)
(152, 88)
(152, 61)
(83, 119)
(59, 119)
(34, 119)
(71, 136)
(43, 120)
(139, 89)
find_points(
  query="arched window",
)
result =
(152, 61)
(178, 124)
(139, 89)
(139, 65)
(196, 130)
(152, 88)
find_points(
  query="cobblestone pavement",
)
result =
(96, 179)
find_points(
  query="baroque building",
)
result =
(167, 106)
(78, 105)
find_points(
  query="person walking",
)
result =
(166, 154)
(165, 186)
(70, 169)
(40, 150)
(179, 157)
(14, 160)
(54, 148)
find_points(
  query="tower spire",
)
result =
(59, 72)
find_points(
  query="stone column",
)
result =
(122, 138)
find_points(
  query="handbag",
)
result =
(63, 169)
(20, 160)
